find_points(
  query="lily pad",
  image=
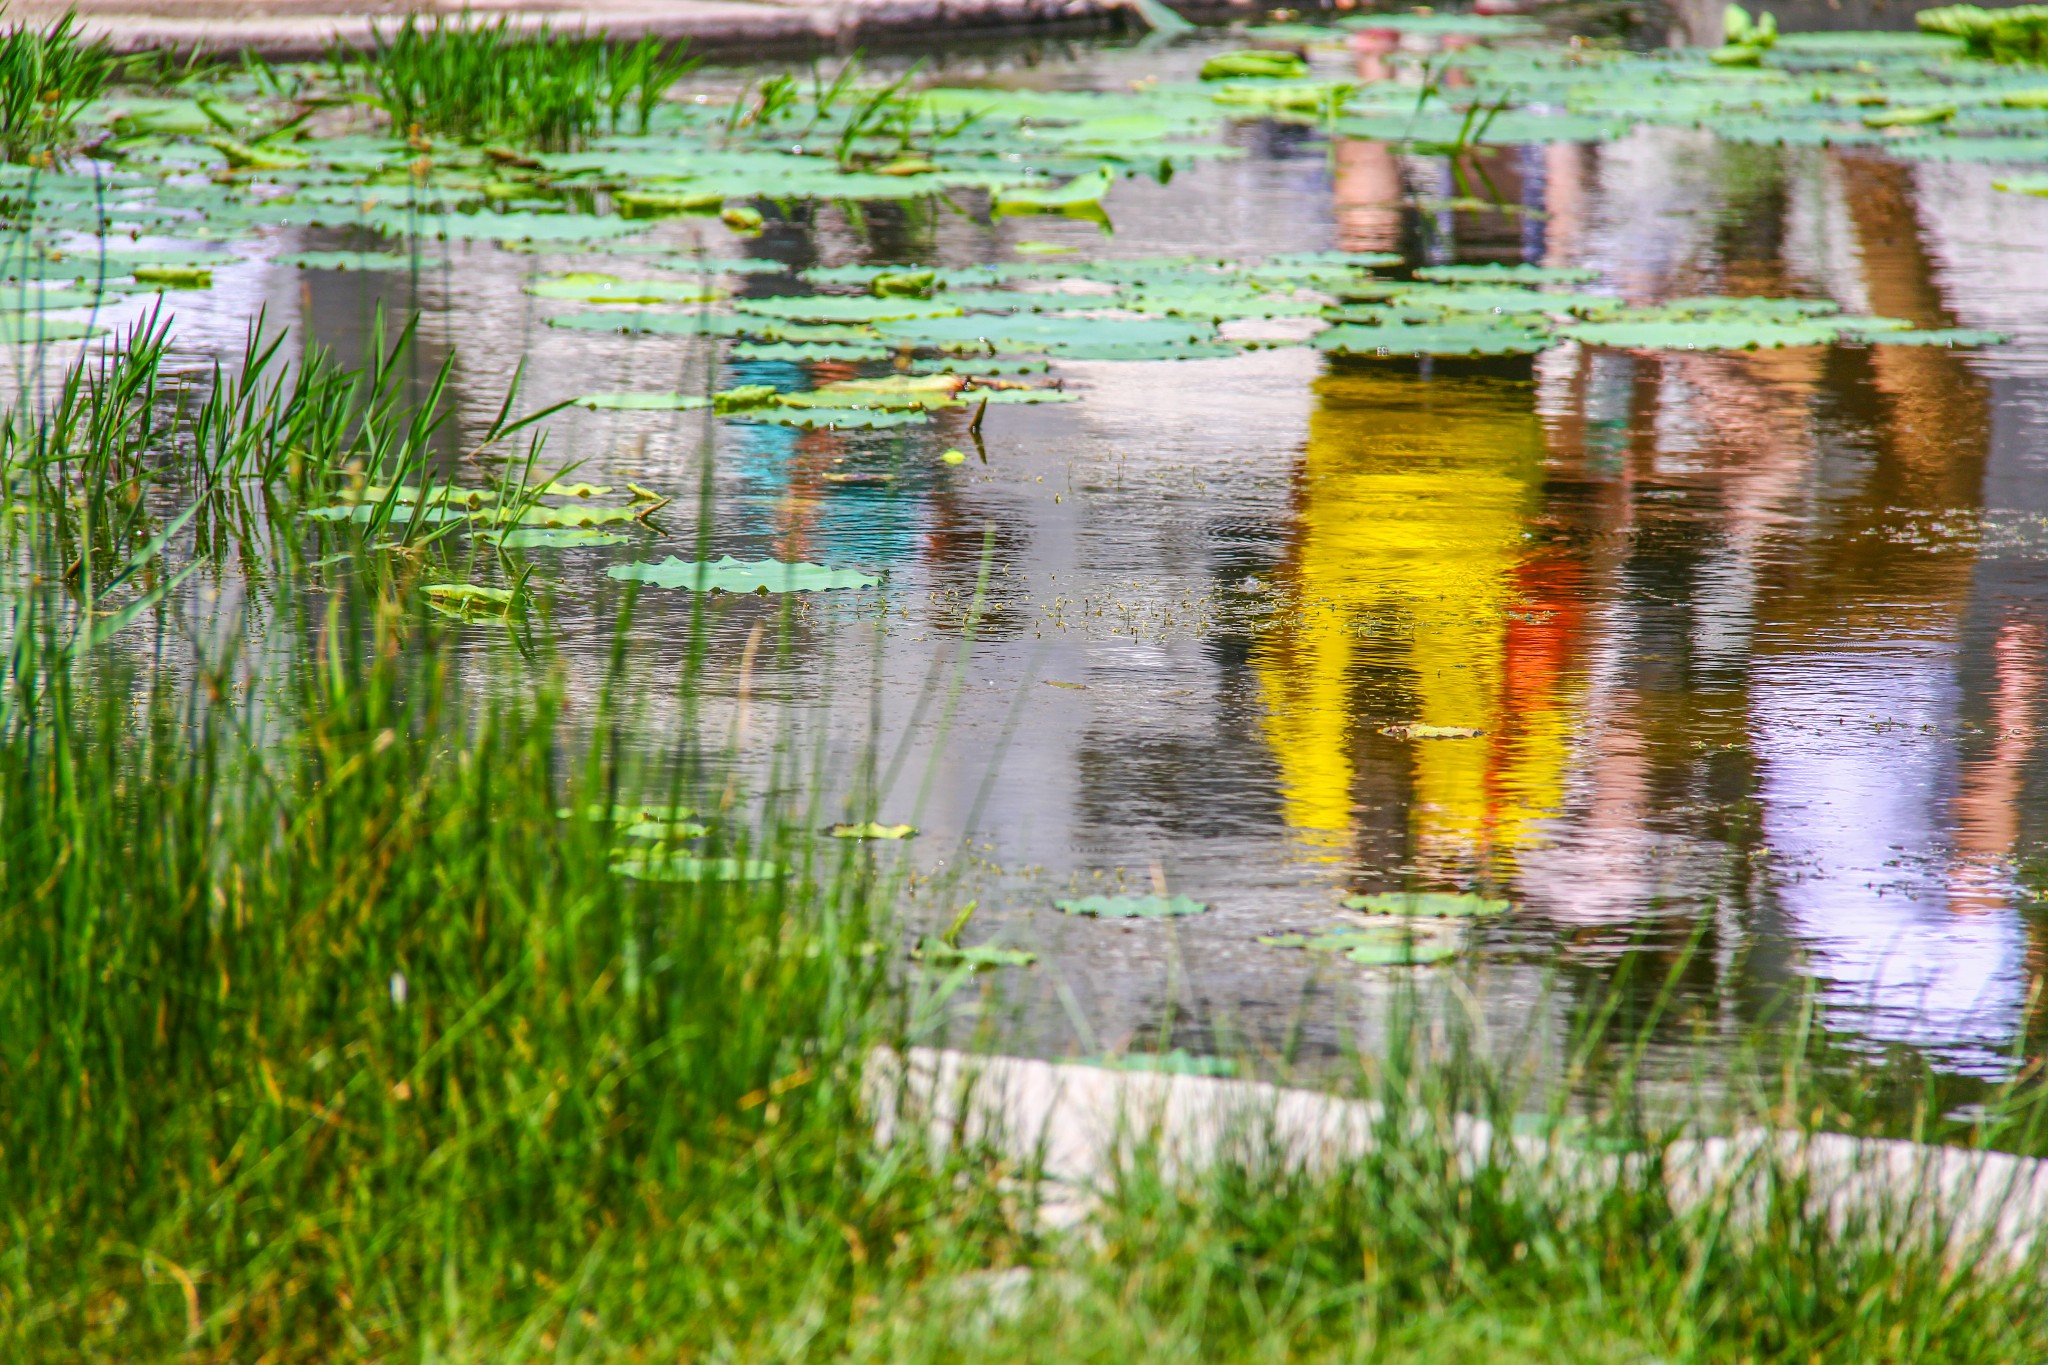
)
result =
(937, 952)
(642, 402)
(627, 815)
(1950, 337)
(586, 287)
(1082, 193)
(1704, 335)
(655, 204)
(835, 418)
(38, 300)
(727, 574)
(1390, 946)
(546, 539)
(34, 327)
(1080, 337)
(1428, 904)
(360, 260)
(469, 597)
(1132, 907)
(1505, 274)
(870, 829)
(1254, 63)
(501, 227)
(846, 307)
(1417, 730)
(802, 351)
(175, 276)
(569, 516)
(1418, 339)
(685, 868)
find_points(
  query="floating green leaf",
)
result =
(658, 204)
(1403, 945)
(727, 574)
(937, 952)
(1418, 339)
(870, 829)
(33, 327)
(360, 260)
(501, 227)
(1950, 337)
(470, 598)
(1083, 192)
(1254, 63)
(1505, 274)
(1132, 907)
(1702, 335)
(1418, 730)
(642, 402)
(545, 539)
(684, 868)
(175, 276)
(1428, 904)
(588, 287)
(1081, 337)
(846, 307)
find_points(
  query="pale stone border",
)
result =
(1074, 1123)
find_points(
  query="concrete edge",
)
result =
(722, 29)
(1076, 1123)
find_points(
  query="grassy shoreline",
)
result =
(353, 1044)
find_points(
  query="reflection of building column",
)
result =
(1412, 594)
(1565, 174)
(1857, 697)
(1368, 196)
(1987, 806)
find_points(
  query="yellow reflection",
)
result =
(1412, 594)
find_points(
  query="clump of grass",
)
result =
(476, 82)
(47, 78)
(330, 1030)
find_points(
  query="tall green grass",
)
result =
(329, 1029)
(48, 76)
(482, 82)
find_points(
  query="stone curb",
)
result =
(723, 26)
(1078, 1123)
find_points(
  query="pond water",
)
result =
(1757, 641)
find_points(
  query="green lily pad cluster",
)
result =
(1960, 90)
(1410, 928)
(554, 515)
